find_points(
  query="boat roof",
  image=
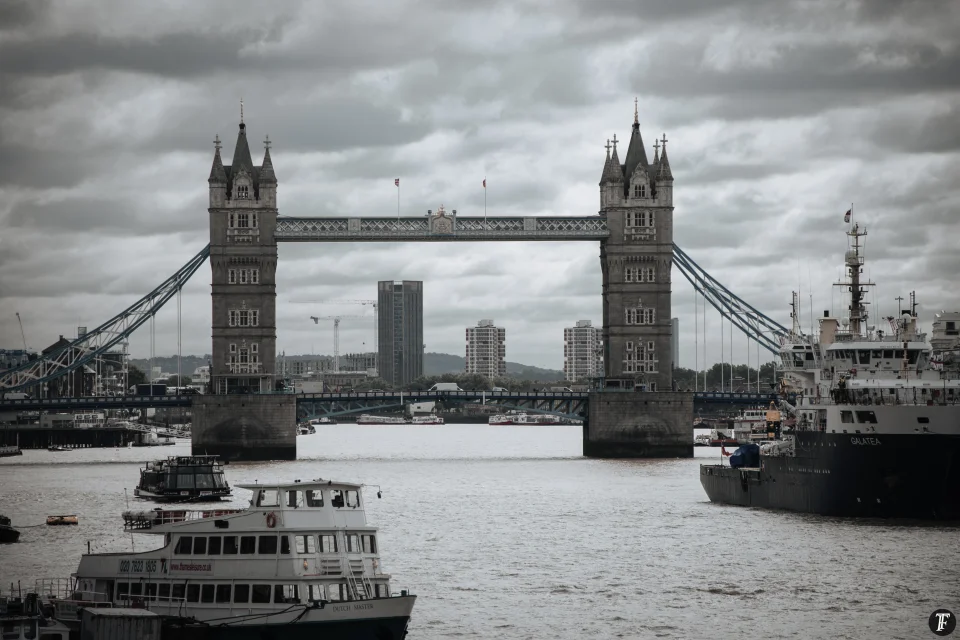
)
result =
(317, 483)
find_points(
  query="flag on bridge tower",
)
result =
(846, 216)
(484, 183)
(396, 181)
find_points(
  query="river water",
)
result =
(508, 532)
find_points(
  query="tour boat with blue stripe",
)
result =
(300, 561)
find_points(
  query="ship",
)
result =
(183, 479)
(369, 419)
(300, 561)
(427, 420)
(874, 429)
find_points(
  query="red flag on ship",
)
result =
(723, 450)
(846, 216)
(396, 181)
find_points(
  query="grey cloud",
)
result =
(18, 14)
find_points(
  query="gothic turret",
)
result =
(218, 177)
(268, 179)
(664, 176)
(611, 181)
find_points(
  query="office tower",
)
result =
(582, 352)
(486, 350)
(400, 330)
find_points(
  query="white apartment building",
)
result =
(486, 350)
(582, 352)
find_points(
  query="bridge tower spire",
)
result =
(635, 262)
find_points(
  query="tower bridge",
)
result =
(244, 419)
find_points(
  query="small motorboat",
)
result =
(57, 447)
(183, 479)
(7, 533)
(60, 520)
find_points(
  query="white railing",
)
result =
(137, 520)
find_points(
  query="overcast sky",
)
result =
(779, 116)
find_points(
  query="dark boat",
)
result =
(7, 533)
(183, 479)
(875, 431)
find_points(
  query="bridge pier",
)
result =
(245, 427)
(631, 424)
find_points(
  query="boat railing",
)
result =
(140, 520)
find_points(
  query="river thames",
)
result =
(508, 532)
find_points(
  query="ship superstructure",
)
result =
(875, 428)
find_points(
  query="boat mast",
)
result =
(853, 261)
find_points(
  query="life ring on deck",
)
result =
(271, 520)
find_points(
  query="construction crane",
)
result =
(336, 334)
(363, 303)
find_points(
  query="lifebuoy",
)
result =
(271, 520)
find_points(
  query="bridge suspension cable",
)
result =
(101, 340)
(758, 327)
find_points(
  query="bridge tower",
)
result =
(644, 417)
(637, 199)
(240, 419)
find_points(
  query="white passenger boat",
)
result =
(368, 419)
(300, 561)
(427, 420)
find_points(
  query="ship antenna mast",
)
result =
(853, 261)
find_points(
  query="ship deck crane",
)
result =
(336, 334)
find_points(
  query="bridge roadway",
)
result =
(562, 403)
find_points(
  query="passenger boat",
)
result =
(56, 447)
(7, 451)
(875, 430)
(701, 440)
(300, 561)
(368, 419)
(183, 479)
(325, 420)
(422, 420)
(7, 533)
(501, 419)
(306, 430)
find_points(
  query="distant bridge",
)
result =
(569, 404)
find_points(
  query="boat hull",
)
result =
(850, 475)
(357, 629)
(8, 534)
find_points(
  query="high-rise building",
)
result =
(582, 351)
(400, 331)
(675, 340)
(486, 350)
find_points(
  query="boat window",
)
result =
(248, 544)
(353, 543)
(876, 354)
(305, 544)
(381, 591)
(898, 354)
(268, 545)
(136, 588)
(353, 499)
(335, 591)
(868, 417)
(193, 593)
(123, 590)
(205, 481)
(913, 354)
(286, 593)
(888, 354)
(328, 544)
(294, 499)
(218, 480)
(184, 545)
(206, 595)
(261, 593)
(369, 544)
(164, 593)
(178, 592)
(314, 498)
(241, 593)
(336, 498)
(200, 546)
(846, 417)
(151, 591)
(923, 420)
(268, 498)
(808, 356)
(213, 546)
(317, 592)
(185, 481)
(864, 356)
(223, 593)
(284, 545)
(229, 545)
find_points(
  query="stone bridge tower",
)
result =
(243, 258)
(637, 199)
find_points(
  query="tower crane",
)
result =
(363, 303)
(336, 334)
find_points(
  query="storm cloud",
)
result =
(779, 117)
